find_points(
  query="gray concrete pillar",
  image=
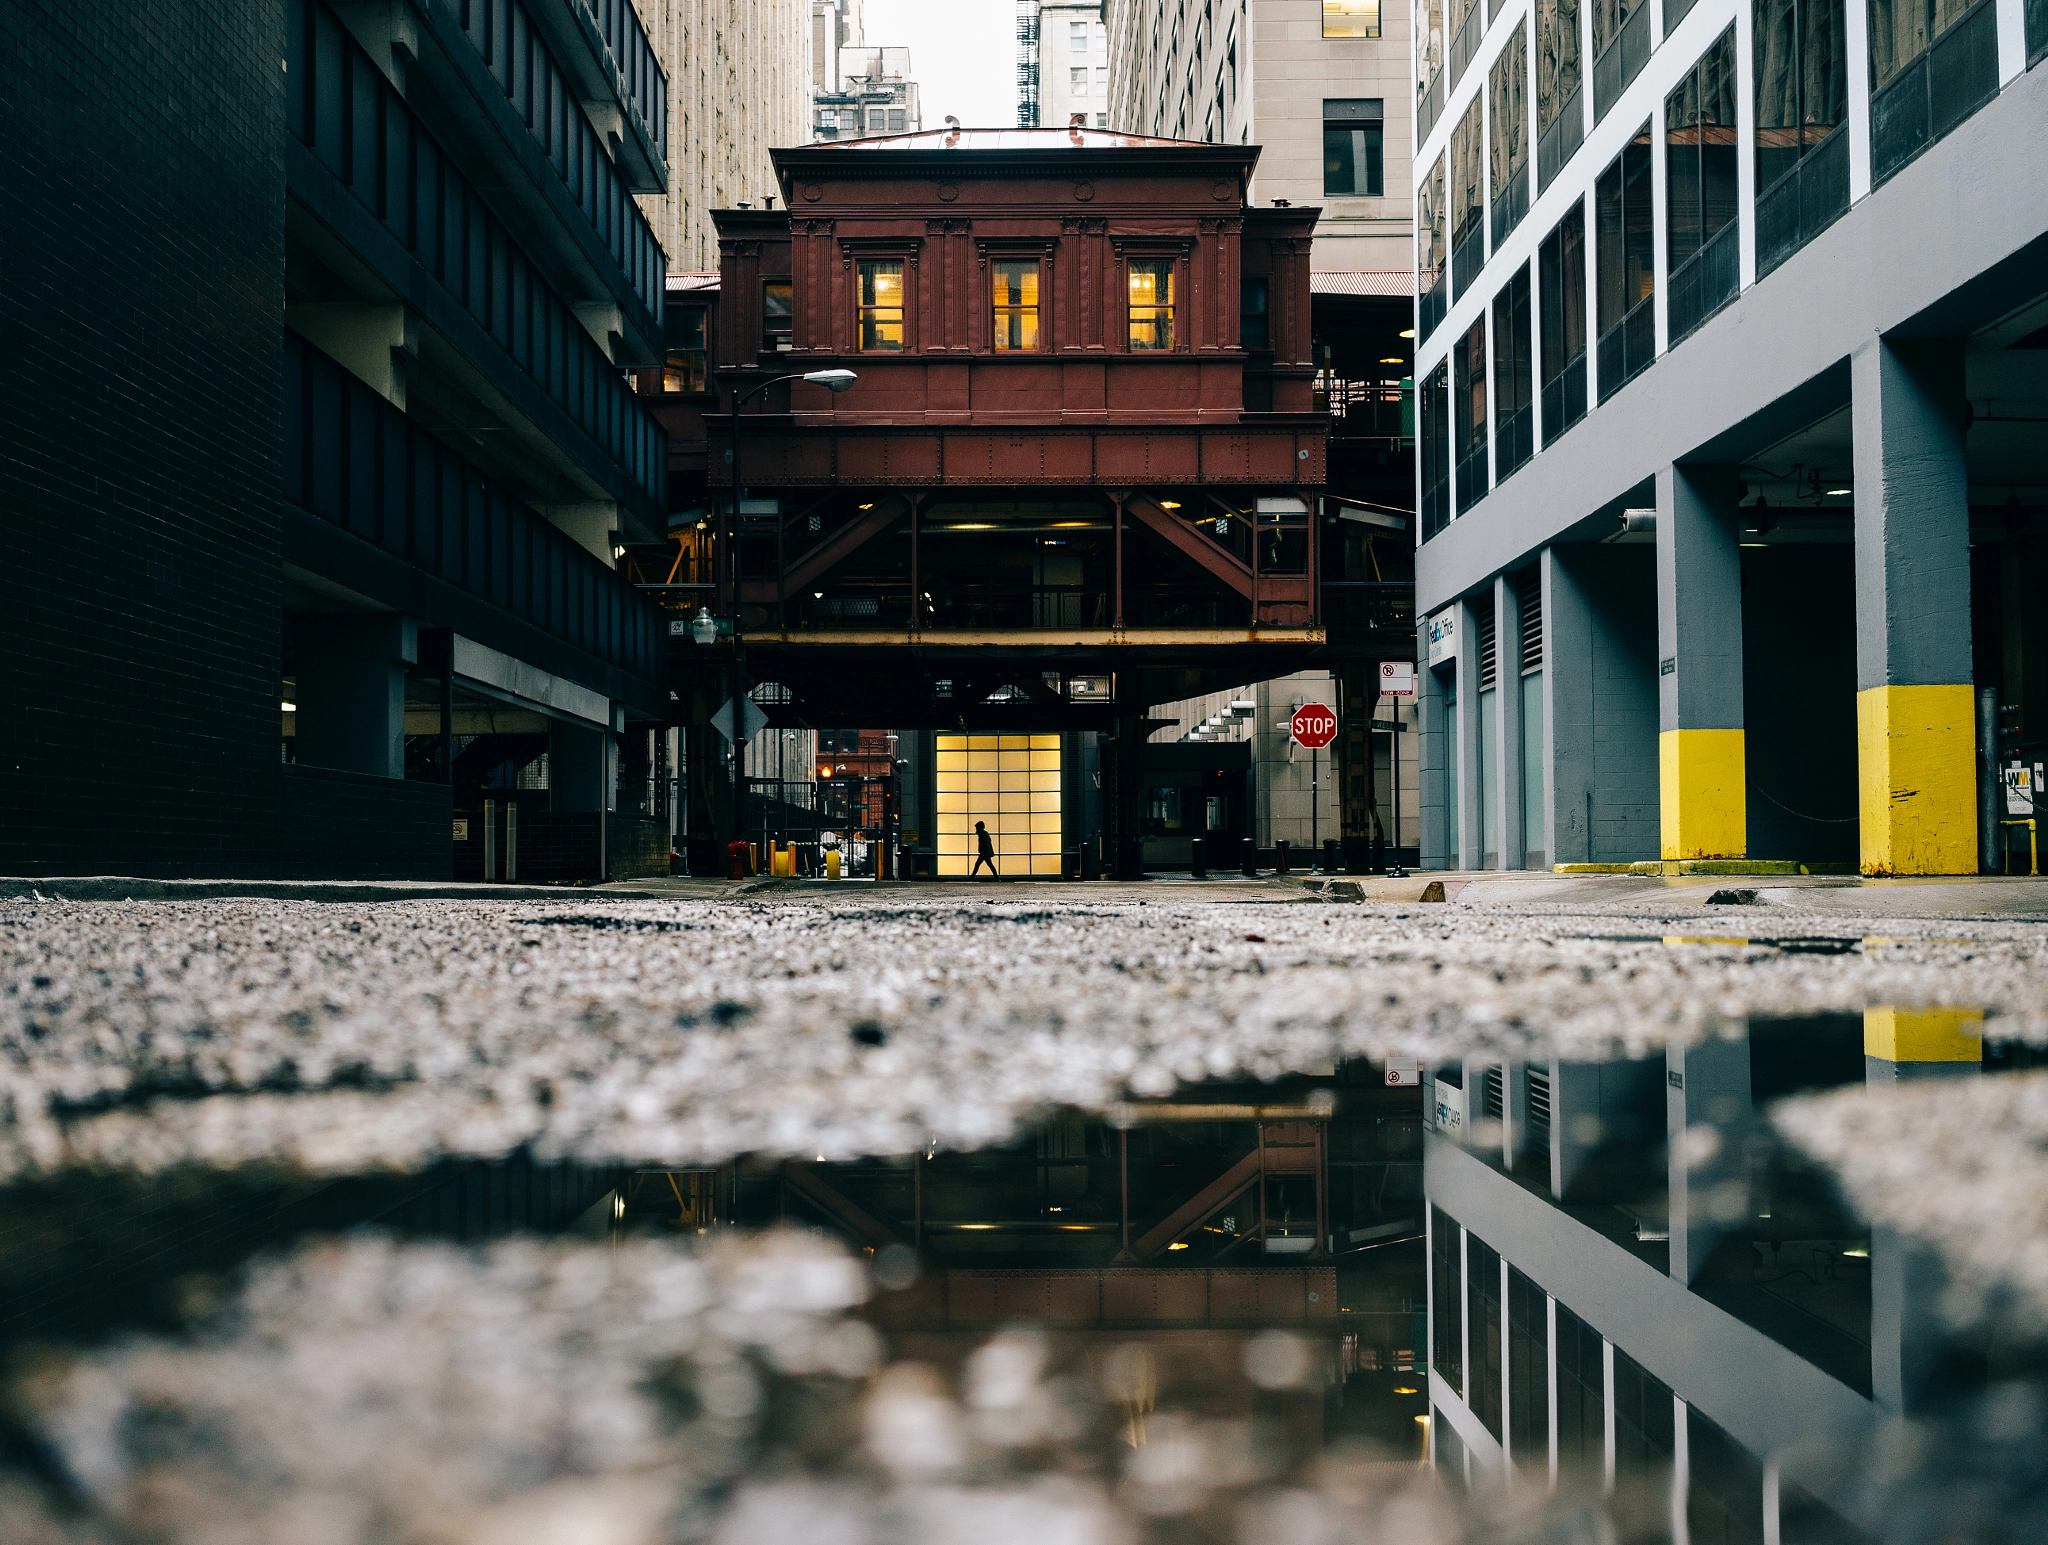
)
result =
(350, 679)
(1702, 787)
(1506, 790)
(1470, 781)
(1600, 691)
(1567, 710)
(1435, 813)
(1915, 720)
(1707, 1125)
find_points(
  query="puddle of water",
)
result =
(1524, 1247)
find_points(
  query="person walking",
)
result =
(988, 852)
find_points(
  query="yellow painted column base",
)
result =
(1924, 1035)
(1703, 799)
(1916, 758)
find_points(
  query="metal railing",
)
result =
(1431, 303)
(1512, 204)
(1704, 282)
(1468, 256)
(1560, 141)
(1513, 440)
(1384, 606)
(1804, 202)
(1564, 398)
(1956, 75)
(340, 107)
(1622, 60)
(1628, 346)
(1465, 45)
(1378, 410)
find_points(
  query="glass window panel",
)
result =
(952, 743)
(1151, 303)
(1041, 760)
(952, 864)
(981, 782)
(982, 761)
(778, 314)
(1044, 742)
(1045, 799)
(1013, 778)
(1351, 18)
(1508, 113)
(1557, 58)
(981, 742)
(952, 761)
(951, 799)
(1608, 16)
(1252, 329)
(1015, 299)
(1043, 779)
(1467, 192)
(1015, 742)
(955, 821)
(1429, 222)
(1046, 863)
(880, 306)
(1339, 173)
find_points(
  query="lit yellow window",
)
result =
(1016, 304)
(1151, 303)
(881, 306)
(1351, 18)
(1011, 784)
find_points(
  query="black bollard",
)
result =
(1198, 864)
(1280, 856)
(1251, 857)
(1329, 855)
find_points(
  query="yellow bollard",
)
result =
(832, 864)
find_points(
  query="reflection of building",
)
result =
(874, 95)
(1617, 203)
(1321, 85)
(1073, 64)
(1633, 1285)
(740, 79)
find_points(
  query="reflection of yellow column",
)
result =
(1703, 796)
(1916, 751)
(1917, 1043)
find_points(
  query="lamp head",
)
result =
(832, 380)
(704, 626)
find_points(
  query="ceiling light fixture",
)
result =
(1406, 332)
(289, 707)
(1832, 492)
(1178, 1244)
(1394, 359)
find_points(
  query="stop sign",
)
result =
(1314, 726)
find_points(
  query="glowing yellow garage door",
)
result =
(1013, 783)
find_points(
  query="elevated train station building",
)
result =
(1082, 470)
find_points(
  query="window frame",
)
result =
(997, 310)
(1264, 313)
(769, 336)
(1353, 118)
(1376, 28)
(673, 350)
(862, 309)
(1172, 260)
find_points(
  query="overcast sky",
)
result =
(963, 54)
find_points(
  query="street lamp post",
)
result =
(832, 381)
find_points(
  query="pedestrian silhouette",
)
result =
(988, 852)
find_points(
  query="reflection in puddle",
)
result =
(1539, 1277)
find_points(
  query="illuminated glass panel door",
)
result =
(1010, 782)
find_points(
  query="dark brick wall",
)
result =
(337, 825)
(141, 334)
(636, 846)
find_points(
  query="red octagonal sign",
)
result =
(1314, 726)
